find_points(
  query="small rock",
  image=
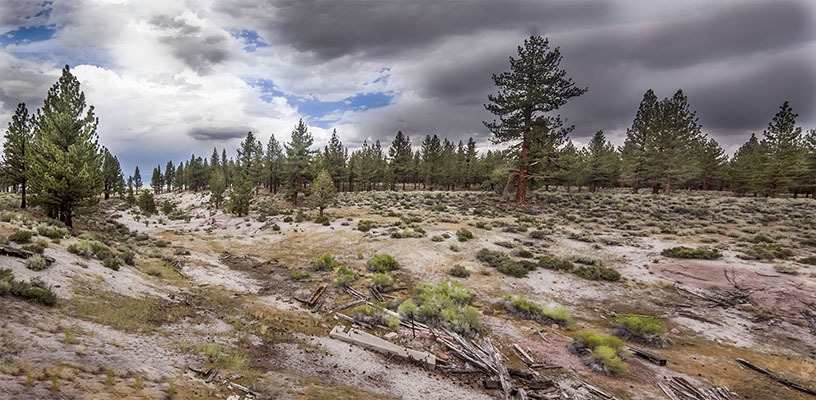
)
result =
(675, 331)
(390, 336)
(554, 326)
(442, 355)
(425, 334)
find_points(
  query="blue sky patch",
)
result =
(28, 34)
(315, 111)
(251, 40)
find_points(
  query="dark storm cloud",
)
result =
(331, 29)
(22, 85)
(190, 45)
(219, 133)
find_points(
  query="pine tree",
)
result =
(401, 156)
(298, 158)
(169, 175)
(711, 159)
(157, 180)
(782, 143)
(431, 154)
(809, 162)
(570, 168)
(638, 140)
(111, 172)
(131, 199)
(745, 169)
(535, 86)
(323, 190)
(599, 156)
(334, 159)
(241, 195)
(137, 179)
(274, 164)
(217, 187)
(65, 161)
(669, 153)
(179, 179)
(470, 160)
(14, 165)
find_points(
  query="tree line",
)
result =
(53, 157)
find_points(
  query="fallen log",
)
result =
(777, 378)
(523, 354)
(244, 389)
(316, 295)
(20, 253)
(344, 306)
(653, 358)
(597, 392)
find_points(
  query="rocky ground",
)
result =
(209, 290)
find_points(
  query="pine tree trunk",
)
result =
(668, 185)
(23, 202)
(294, 196)
(636, 184)
(321, 212)
(705, 179)
(67, 218)
(521, 193)
(592, 187)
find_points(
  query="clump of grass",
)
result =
(555, 263)
(81, 248)
(324, 263)
(51, 231)
(382, 263)
(597, 273)
(641, 325)
(34, 290)
(365, 225)
(407, 233)
(446, 305)
(36, 263)
(518, 305)
(767, 252)
(21, 236)
(298, 274)
(703, 253)
(459, 271)
(610, 360)
(464, 235)
(603, 352)
(127, 314)
(538, 234)
(503, 263)
(437, 238)
(382, 281)
(345, 277)
(222, 358)
(582, 237)
(37, 247)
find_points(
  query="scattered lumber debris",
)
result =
(653, 358)
(777, 378)
(6, 250)
(523, 355)
(376, 294)
(597, 392)
(678, 388)
(353, 303)
(360, 338)
(350, 290)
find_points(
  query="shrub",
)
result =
(437, 238)
(33, 290)
(502, 262)
(768, 252)
(275, 227)
(51, 231)
(483, 225)
(375, 315)
(597, 273)
(538, 234)
(464, 235)
(610, 360)
(325, 263)
(365, 225)
(287, 218)
(459, 271)
(345, 276)
(112, 262)
(146, 203)
(446, 305)
(298, 274)
(36, 263)
(590, 340)
(382, 263)
(586, 260)
(703, 253)
(81, 248)
(808, 260)
(100, 251)
(641, 325)
(526, 309)
(524, 253)
(555, 263)
(21, 236)
(382, 281)
(38, 247)
(127, 257)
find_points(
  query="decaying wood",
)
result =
(597, 392)
(777, 378)
(244, 389)
(495, 358)
(666, 390)
(653, 358)
(316, 295)
(523, 354)
(376, 294)
(6, 250)
(344, 306)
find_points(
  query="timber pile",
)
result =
(20, 253)
(653, 358)
(678, 388)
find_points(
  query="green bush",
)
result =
(524, 253)
(382, 281)
(111, 262)
(591, 340)
(641, 325)
(81, 248)
(459, 271)
(464, 235)
(51, 231)
(502, 262)
(611, 361)
(768, 252)
(437, 238)
(146, 203)
(597, 273)
(555, 263)
(38, 247)
(298, 274)
(325, 263)
(808, 260)
(703, 253)
(375, 315)
(365, 225)
(526, 309)
(382, 263)
(21, 236)
(127, 257)
(33, 290)
(446, 305)
(344, 277)
(538, 234)
(36, 263)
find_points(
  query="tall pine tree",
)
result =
(14, 165)
(782, 143)
(298, 158)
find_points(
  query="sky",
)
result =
(171, 78)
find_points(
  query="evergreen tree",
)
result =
(169, 175)
(669, 153)
(65, 161)
(242, 194)
(809, 162)
(157, 180)
(131, 199)
(745, 169)
(711, 161)
(298, 158)
(274, 164)
(217, 187)
(638, 141)
(334, 159)
(535, 86)
(470, 160)
(431, 150)
(111, 172)
(323, 190)
(600, 157)
(401, 156)
(570, 168)
(179, 179)
(137, 179)
(14, 165)
(782, 141)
